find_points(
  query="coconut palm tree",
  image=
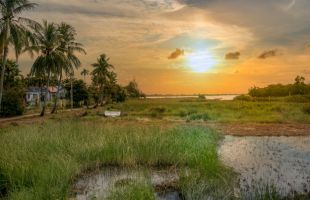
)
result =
(48, 43)
(101, 74)
(84, 73)
(13, 30)
(69, 46)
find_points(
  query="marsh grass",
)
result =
(43, 160)
(217, 111)
(132, 191)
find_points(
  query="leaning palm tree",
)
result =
(101, 74)
(48, 42)
(69, 46)
(13, 31)
(84, 73)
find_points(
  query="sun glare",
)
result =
(201, 61)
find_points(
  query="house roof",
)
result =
(52, 89)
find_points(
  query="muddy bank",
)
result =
(99, 185)
(263, 129)
(279, 162)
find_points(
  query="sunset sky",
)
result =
(190, 46)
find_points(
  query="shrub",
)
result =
(201, 97)
(297, 99)
(243, 98)
(185, 113)
(306, 109)
(157, 111)
(12, 104)
(204, 117)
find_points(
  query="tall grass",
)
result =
(42, 161)
(217, 111)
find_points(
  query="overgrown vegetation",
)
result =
(42, 161)
(280, 111)
(13, 95)
(299, 87)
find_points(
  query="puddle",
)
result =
(281, 162)
(98, 186)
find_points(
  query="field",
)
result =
(43, 158)
(216, 111)
(40, 162)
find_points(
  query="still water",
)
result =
(280, 162)
(209, 97)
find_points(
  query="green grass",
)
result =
(217, 111)
(132, 191)
(42, 160)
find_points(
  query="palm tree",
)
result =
(101, 74)
(14, 30)
(84, 73)
(69, 46)
(48, 42)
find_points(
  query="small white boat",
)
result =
(112, 113)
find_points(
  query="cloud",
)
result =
(177, 53)
(268, 54)
(232, 55)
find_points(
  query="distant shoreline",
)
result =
(207, 96)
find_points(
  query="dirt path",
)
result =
(260, 129)
(34, 118)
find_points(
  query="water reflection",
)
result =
(281, 162)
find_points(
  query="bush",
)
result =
(243, 98)
(201, 97)
(306, 109)
(297, 99)
(185, 113)
(12, 103)
(204, 117)
(157, 111)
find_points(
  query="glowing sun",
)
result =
(200, 61)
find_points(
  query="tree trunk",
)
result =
(57, 94)
(45, 96)
(4, 60)
(71, 93)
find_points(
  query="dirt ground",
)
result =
(261, 129)
(235, 129)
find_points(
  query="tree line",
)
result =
(299, 87)
(56, 51)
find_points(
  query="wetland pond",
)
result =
(282, 163)
(279, 162)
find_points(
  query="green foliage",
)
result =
(157, 111)
(118, 94)
(276, 110)
(202, 116)
(133, 90)
(132, 191)
(297, 99)
(80, 92)
(41, 161)
(201, 97)
(12, 76)
(279, 90)
(243, 98)
(306, 109)
(13, 96)
(12, 103)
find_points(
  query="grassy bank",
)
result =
(41, 161)
(218, 111)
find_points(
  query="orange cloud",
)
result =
(177, 53)
(232, 55)
(268, 54)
